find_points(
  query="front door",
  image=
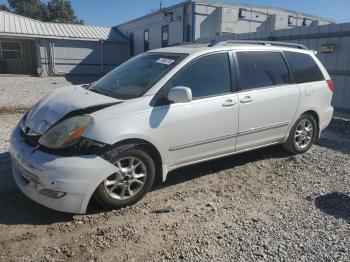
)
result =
(268, 100)
(207, 126)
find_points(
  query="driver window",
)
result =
(206, 76)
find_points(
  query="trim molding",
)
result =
(263, 128)
(234, 135)
(202, 142)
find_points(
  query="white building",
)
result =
(191, 20)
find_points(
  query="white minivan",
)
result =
(166, 109)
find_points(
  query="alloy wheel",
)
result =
(304, 134)
(128, 180)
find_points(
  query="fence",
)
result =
(332, 43)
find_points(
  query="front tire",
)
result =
(302, 135)
(132, 181)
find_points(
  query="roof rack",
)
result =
(252, 42)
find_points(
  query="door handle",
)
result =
(246, 99)
(228, 103)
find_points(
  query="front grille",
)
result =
(32, 141)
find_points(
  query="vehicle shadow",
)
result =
(211, 167)
(335, 204)
(6, 180)
(15, 208)
(337, 136)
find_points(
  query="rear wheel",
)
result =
(302, 135)
(133, 179)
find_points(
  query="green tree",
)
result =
(4, 8)
(58, 11)
(30, 8)
(61, 11)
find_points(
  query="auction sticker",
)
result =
(165, 61)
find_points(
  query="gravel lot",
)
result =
(264, 205)
(23, 91)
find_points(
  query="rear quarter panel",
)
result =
(317, 96)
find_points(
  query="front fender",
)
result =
(145, 126)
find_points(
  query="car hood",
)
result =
(61, 102)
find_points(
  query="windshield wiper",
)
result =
(90, 86)
(93, 88)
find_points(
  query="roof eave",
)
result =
(29, 36)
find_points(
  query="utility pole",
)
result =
(160, 4)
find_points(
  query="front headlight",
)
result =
(66, 133)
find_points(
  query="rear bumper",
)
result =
(76, 177)
(326, 117)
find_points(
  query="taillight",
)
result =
(330, 84)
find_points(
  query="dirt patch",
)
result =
(13, 110)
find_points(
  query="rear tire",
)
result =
(302, 135)
(135, 177)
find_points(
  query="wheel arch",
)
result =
(151, 149)
(315, 115)
(310, 111)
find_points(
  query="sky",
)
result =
(114, 12)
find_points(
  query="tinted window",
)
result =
(206, 76)
(304, 67)
(260, 69)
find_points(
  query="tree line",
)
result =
(57, 11)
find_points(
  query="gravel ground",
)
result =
(21, 92)
(259, 206)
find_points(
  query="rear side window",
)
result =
(261, 69)
(304, 67)
(206, 76)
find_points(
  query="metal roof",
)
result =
(17, 26)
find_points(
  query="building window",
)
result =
(10, 50)
(165, 35)
(304, 22)
(290, 20)
(146, 40)
(131, 44)
(241, 13)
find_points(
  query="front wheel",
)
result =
(302, 135)
(133, 179)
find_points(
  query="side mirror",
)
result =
(180, 94)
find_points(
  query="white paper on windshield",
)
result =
(165, 61)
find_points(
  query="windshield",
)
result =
(135, 77)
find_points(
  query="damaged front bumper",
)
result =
(62, 183)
